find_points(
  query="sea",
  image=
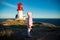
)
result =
(46, 20)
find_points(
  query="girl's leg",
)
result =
(29, 29)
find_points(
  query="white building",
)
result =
(20, 15)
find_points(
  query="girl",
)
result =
(29, 23)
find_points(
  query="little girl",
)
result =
(29, 23)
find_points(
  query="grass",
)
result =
(14, 22)
(16, 30)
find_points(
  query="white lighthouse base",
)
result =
(21, 16)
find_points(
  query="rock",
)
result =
(24, 22)
(43, 24)
(14, 22)
(6, 32)
(47, 24)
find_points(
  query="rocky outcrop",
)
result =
(40, 31)
(13, 22)
(43, 24)
(24, 22)
(48, 24)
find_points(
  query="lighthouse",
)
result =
(20, 15)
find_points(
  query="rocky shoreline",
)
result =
(24, 22)
(20, 33)
(40, 31)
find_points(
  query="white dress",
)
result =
(29, 19)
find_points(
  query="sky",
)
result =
(39, 8)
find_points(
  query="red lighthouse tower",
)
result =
(20, 7)
(20, 12)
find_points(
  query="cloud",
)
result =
(8, 4)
